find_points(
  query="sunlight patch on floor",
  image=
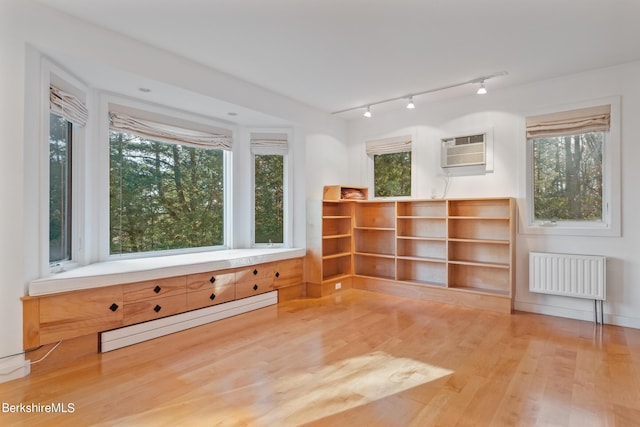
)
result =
(302, 397)
(307, 396)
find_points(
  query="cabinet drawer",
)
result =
(254, 287)
(136, 312)
(288, 273)
(79, 313)
(256, 272)
(210, 280)
(214, 295)
(154, 288)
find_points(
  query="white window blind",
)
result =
(398, 144)
(67, 106)
(269, 143)
(166, 133)
(573, 122)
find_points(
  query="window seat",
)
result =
(134, 270)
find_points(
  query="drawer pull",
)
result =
(157, 308)
(255, 272)
(157, 289)
(277, 274)
(213, 279)
(212, 297)
(255, 287)
(113, 307)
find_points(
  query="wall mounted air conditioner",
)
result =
(466, 150)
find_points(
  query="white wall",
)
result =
(12, 78)
(27, 27)
(504, 112)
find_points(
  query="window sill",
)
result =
(566, 230)
(140, 269)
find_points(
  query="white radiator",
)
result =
(582, 276)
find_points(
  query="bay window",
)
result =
(166, 186)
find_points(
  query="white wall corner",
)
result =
(14, 367)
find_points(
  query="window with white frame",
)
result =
(269, 150)
(167, 186)
(67, 115)
(390, 161)
(571, 158)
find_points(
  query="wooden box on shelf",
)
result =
(343, 192)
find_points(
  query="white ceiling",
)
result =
(336, 54)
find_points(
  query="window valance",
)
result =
(167, 133)
(398, 144)
(593, 119)
(269, 143)
(68, 106)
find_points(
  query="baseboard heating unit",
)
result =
(580, 276)
(122, 337)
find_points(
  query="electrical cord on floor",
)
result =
(46, 355)
(30, 363)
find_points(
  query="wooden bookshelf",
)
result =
(330, 246)
(480, 254)
(459, 251)
(421, 242)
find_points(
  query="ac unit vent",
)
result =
(467, 150)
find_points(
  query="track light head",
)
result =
(482, 89)
(367, 113)
(411, 105)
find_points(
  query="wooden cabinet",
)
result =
(154, 289)
(211, 288)
(71, 314)
(207, 297)
(458, 251)
(254, 280)
(155, 308)
(153, 299)
(288, 273)
(51, 318)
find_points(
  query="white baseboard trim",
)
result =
(14, 367)
(122, 337)
(569, 313)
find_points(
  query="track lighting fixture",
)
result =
(410, 105)
(482, 89)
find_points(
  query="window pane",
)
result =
(59, 189)
(164, 196)
(392, 174)
(269, 199)
(567, 181)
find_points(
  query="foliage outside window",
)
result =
(269, 198)
(392, 174)
(60, 136)
(164, 196)
(570, 185)
(567, 177)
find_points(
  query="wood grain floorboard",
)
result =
(351, 359)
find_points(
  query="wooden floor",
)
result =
(355, 359)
